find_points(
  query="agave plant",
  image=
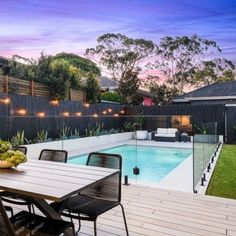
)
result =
(19, 138)
(128, 126)
(41, 136)
(64, 132)
(74, 133)
(202, 130)
(95, 131)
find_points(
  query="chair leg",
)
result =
(79, 225)
(73, 228)
(126, 226)
(95, 227)
(8, 208)
(31, 208)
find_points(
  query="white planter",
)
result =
(33, 150)
(141, 134)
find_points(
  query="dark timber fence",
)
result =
(55, 116)
(65, 115)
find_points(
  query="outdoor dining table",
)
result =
(44, 180)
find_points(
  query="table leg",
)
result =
(48, 211)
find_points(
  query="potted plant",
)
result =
(10, 158)
(139, 122)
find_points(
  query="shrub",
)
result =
(110, 96)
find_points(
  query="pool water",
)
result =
(154, 162)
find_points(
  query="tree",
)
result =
(49, 65)
(163, 94)
(217, 70)
(83, 64)
(180, 57)
(93, 92)
(128, 89)
(122, 55)
(21, 68)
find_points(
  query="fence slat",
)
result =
(31, 88)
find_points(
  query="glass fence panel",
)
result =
(204, 143)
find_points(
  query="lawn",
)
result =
(223, 181)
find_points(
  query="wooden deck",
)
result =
(157, 212)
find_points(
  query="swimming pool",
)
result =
(154, 162)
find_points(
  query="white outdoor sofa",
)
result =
(166, 135)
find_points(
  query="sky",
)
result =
(28, 27)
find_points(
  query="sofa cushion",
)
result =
(161, 131)
(171, 131)
(165, 135)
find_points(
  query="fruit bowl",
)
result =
(6, 164)
(10, 158)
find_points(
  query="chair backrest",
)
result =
(6, 228)
(20, 148)
(109, 188)
(53, 155)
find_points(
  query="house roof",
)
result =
(145, 93)
(216, 91)
(106, 82)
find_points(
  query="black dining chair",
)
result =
(23, 149)
(53, 155)
(45, 154)
(26, 223)
(99, 198)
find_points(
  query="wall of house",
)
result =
(147, 101)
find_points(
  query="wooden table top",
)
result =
(51, 180)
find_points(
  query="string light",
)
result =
(41, 114)
(5, 101)
(109, 110)
(66, 114)
(21, 112)
(115, 115)
(122, 112)
(95, 115)
(78, 113)
(104, 112)
(54, 102)
(86, 104)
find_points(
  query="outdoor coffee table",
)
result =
(44, 180)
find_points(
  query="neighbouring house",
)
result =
(147, 98)
(220, 94)
(217, 93)
(107, 84)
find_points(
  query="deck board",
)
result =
(157, 212)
